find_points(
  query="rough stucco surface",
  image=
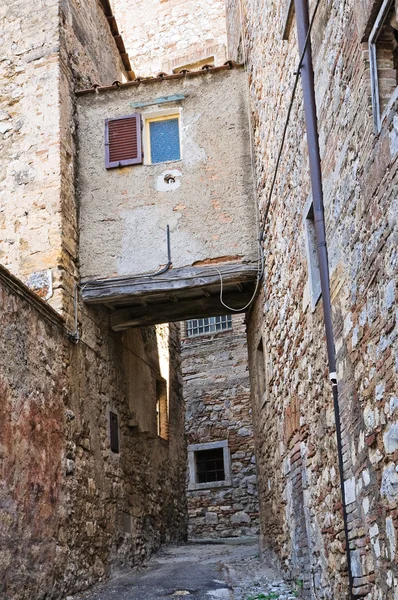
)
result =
(160, 36)
(71, 511)
(47, 49)
(217, 398)
(296, 446)
(124, 211)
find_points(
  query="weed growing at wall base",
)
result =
(261, 596)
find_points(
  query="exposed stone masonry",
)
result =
(296, 446)
(47, 49)
(217, 398)
(72, 511)
(161, 35)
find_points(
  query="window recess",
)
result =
(162, 138)
(209, 465)
(196, 327)
(123, 141)
(162, 409)
(114, 432)
(383, 52)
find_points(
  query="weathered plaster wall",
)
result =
(217, 399)
(162, 35)
(88, 55)
(124, 212)
(47, 49)
(29, 130)
(72, 511)
(296, 447)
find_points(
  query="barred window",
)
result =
(209, 325)
(210, 465)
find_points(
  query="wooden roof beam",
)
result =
(198, 308)
(174, 281)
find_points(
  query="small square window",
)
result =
(383, 51)
(163, 139)
(209, 465)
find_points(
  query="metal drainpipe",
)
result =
(307, 75)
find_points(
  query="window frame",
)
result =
(162, 408)
(160, 115)
(378, 117)
(192, 450)
(228, 322)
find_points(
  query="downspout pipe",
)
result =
(307, 76)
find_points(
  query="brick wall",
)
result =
(217, 398)
(299, 493)
(71, 510)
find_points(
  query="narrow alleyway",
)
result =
(200, 571)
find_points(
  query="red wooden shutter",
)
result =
(123, 141)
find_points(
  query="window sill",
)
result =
(210, 485)
(206, 336)
(167, 162)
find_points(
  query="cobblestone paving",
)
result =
(252, 580)
(207, 571)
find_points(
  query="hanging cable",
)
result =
(289, 112)
(268, 204)
(259, 277)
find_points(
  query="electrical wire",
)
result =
(282, 144)
(110, 336)
(260, 253)
(289, 112)
(259, 277)
(268, 204)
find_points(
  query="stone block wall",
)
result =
(217, 399)
(71, 510)
(299, 494)
(161, 35)
(48, 49)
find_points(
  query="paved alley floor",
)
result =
(229, 570)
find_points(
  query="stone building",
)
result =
(222, 482)
(177, 200)
(92, 449)
(92, 464)
(194, 196)
(354, 50)
(167, 36)
(104, 486)
(93, 456)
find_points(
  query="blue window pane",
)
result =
(165, 140)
